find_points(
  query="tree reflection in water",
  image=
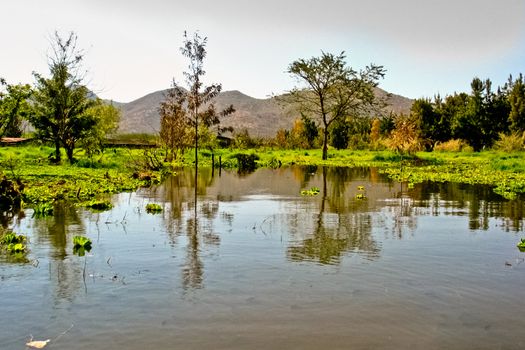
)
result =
(57, 231)
(190, 217)
(341, 225)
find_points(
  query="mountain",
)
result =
(261, 117)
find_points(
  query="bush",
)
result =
(509, 143)
(246, 162)
(455, 145)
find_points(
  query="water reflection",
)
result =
(341, 225)
(56, 232)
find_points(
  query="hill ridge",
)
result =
(261, 117)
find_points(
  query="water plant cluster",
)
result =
(12, 244)
(314, 191)
(153, 208)
(81, 245)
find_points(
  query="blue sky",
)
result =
(132, 46)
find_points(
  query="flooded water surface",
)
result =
(253, 264)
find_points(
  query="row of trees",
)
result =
(60, 107)
(479, 118)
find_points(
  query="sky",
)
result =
(132, 47)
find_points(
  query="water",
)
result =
(262, 267)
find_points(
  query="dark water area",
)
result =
(261, 267)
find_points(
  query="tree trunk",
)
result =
(325, 144)
(69, 152)
(57, 151)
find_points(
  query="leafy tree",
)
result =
(62, 103)
(339, 134)
(310, 130)
(516, 99)
(434, 126)
(14, 106)
(482, 118)
(331, 90)
(107, 118)
(387, 124)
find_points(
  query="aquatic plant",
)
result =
(521, 245)
(360, 196)
(13, 243)
(314, 191)
(43, 209)
(81, 245)
(153, 208)
(81, 241)
(99, 205)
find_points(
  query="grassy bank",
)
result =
(113, 171)
(82, 182)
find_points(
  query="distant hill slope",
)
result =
(261, 117)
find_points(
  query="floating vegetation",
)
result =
(99, 205)
(360, 196)
(521, 245)
(360, 188)
(153, 208)
(12, 243)
(43, 209)
(314, 191)
(81, 245)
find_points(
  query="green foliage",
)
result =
(43, 209)
(435, 126)
(521, 245)
(10, 194)
(106, 117)
(516, 99)
(331, 90)
(81, 245)
(480, 116)
(14, 107)
(12, 243)
(99, 205)
(62, 104)
(246, 162)
(314, 191)
(509, 143)
(310, 130)
(339, 134)
(153, 208)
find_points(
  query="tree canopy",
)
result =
(62, 102)
(330, 90)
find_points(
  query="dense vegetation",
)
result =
(337, 108)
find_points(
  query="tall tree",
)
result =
(483, 116)
(14, 106)
(434, 125)
(331, 90)
(516, 98)
(107, 118)
(62, 102)
(199, 98)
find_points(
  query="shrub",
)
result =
(509, 143)
(455, 145)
